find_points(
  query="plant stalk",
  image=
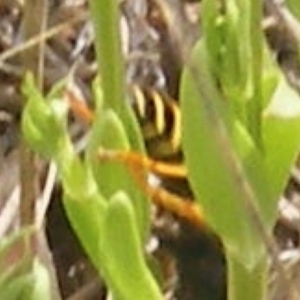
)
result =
(34, 22)
(105, 16)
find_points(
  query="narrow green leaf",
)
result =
(86, 217)
(108, 132)
(281, 128)
(214, 147)
(131, 278)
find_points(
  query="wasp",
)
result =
(197, 250)
(184, 234)
(153, 66)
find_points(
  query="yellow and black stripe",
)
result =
(159, 116)
(160, 120)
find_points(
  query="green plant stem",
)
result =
(244, 283)
(105, 17)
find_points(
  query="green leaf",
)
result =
(233, 39)
(130, 275)
(86, 217)
(281, 129)
(221, 159)
(108, 132)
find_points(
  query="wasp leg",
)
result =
(78, 106)
(183, 208)
(137, 161)
(137, 164)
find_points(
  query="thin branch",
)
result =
(34, 22)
